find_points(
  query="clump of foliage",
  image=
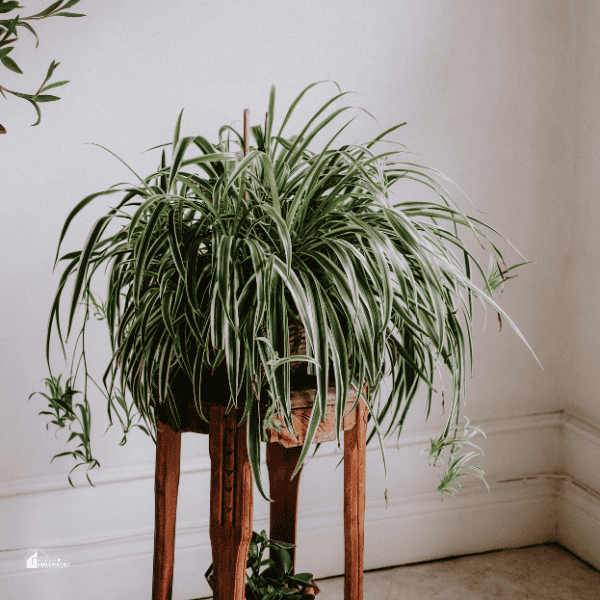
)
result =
(276, 581)
(9, 34)
(213, 257)
(63, 413)
(455, 463)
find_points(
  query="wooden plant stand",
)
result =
(231, 493)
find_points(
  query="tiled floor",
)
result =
(545, 572)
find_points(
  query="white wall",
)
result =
(488, 93)
(582, 345)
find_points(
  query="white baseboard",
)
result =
(106, 533)
(579, 517)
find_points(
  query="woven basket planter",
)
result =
(302, 395)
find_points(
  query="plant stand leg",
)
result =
(230, 503)
(281, 462)
(166, 483)
(354, 503)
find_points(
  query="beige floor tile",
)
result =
(548, 571)
(545, 572)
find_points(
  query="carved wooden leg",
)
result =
(281, 462)
(354, 503)
(230, 504)
(166, 483)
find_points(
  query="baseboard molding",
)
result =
(113, 559)
(189, 465)
(579, 516)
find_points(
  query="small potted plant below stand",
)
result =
(276, 581)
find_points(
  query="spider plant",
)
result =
(212, 257)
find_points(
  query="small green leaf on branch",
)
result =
(8, 6)
(45, 98)
(9, 63)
